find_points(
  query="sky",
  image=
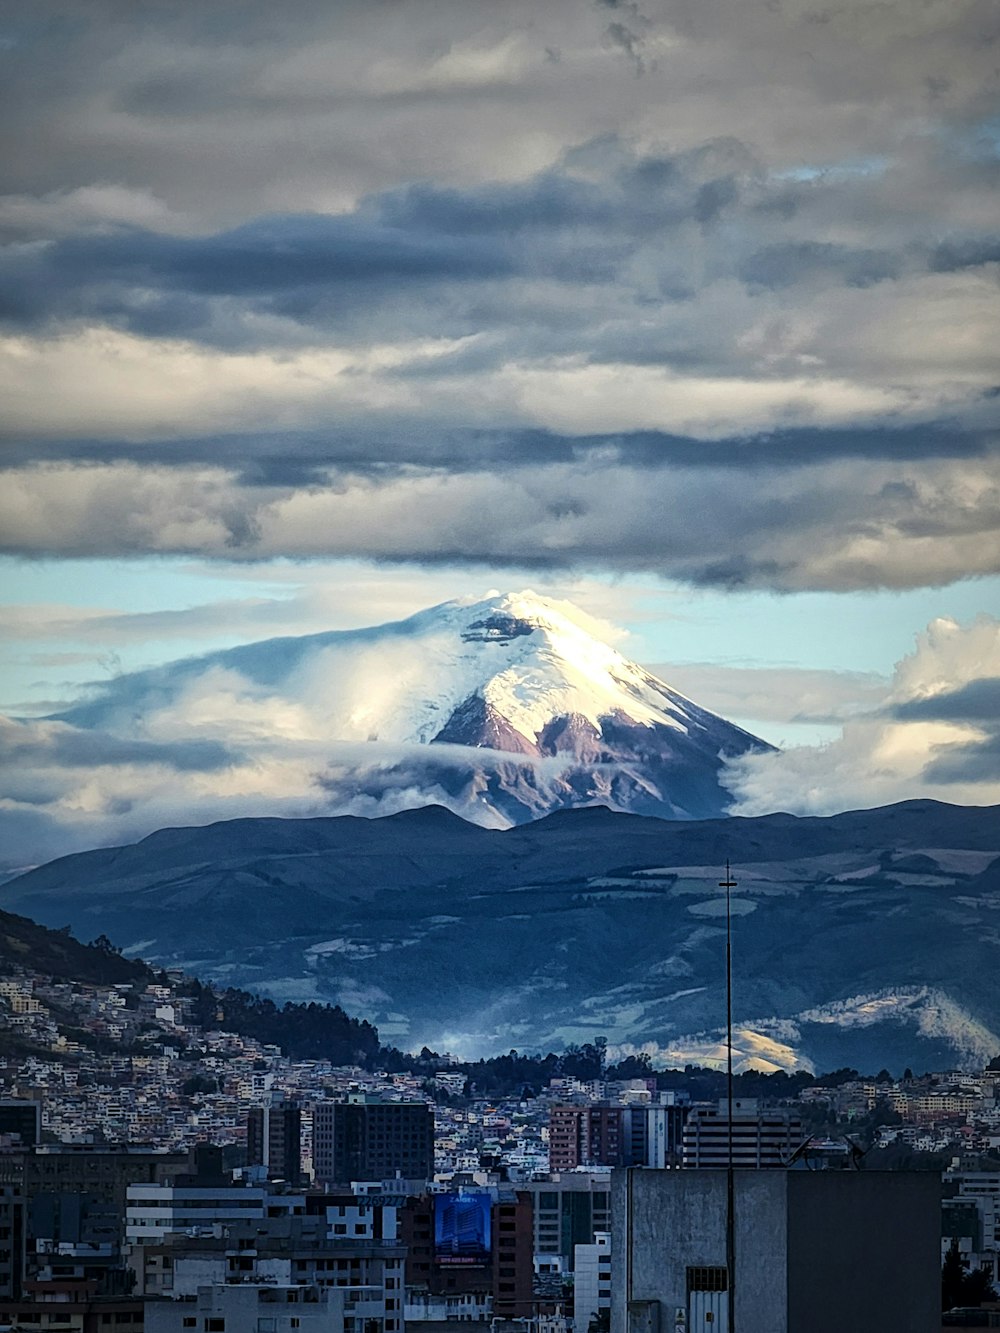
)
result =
(683, 310)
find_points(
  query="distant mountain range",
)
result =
(503, 710)
(869, 938)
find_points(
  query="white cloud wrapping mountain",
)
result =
(502, 709)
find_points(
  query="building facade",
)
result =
(586, 1136)
(822, 1251)
(759, 1138)
(570, 1208)
(274, 1139)
(365, 1138)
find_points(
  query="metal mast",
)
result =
(729, 884)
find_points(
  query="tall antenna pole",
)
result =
(729, 884)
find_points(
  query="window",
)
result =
(707, 1279)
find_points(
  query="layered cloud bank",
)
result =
(707, 291)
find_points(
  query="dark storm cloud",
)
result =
(158, 285)
(787, 265)
(306, 458)
(979, 761)
(956, 255)
(401, 255)
(976, 701)
(396, 282)
(27, 745)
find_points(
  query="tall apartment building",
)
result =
(586, 1136)
(367, 1271)
(759, 1138)
(12, 1241)
(654, 1132)
(105, 1173)
(978, 1191)
(156, 1211)
(309, 1309)
(592, 1281)
(366, 1138)
(274, 1139)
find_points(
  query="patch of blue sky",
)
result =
(832, 171)
(48, 662)
(866, 631)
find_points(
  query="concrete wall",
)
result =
(816, 1251)
(864, 1251)
(667, 1221)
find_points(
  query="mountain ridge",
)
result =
(588, 922)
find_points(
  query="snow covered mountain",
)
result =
(502, 709)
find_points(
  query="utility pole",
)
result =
(729, 884)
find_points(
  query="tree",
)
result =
(600, 1322)
(952, 1277)
(959, 1287)
(977, 1287)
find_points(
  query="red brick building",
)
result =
(586, 1136)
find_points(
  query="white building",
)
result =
(592, 1285)
(247, 1308)
(154, 1211)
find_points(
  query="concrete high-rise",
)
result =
(759, 1138)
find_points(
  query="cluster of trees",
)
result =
(962, 1286)
(302, 1031)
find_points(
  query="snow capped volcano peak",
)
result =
(532, 660)
(499, 671)
(518, 695)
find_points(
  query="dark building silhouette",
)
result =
(366, 1138)
(22, 1118)
(274, 1139)
(105, 1173)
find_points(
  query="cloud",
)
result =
(936, 734)
(30, 744)
(778, 696)
(839, 525)
(632, 321)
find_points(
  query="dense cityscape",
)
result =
(157, 1169)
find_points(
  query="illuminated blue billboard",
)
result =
(462, 1228)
